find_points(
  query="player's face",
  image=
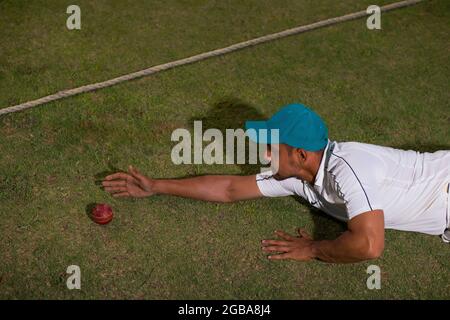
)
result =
(287, 162)
(281, 162)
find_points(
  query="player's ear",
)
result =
(301, 154)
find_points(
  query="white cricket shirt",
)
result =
(410, 187)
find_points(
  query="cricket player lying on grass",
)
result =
(370, 187)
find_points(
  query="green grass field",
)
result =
(388, 87)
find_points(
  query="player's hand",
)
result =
(131, 184)
(296, 248)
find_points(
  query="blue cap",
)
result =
(298, 126)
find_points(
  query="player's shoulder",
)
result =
(356, 152)
(356, 158)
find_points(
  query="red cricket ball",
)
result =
(102, 213)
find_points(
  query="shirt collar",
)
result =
(323, 164)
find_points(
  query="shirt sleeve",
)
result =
(270, 187)
(359, 191)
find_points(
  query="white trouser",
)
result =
(448, 205)
(446, 236)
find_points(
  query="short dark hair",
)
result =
(291, 149)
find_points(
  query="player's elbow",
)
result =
(374, 248)
(230, 193)
(374, 253)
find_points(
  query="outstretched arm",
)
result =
(364, 240)
(217, 188)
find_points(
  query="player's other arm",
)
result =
(364, 240)
(217, 188)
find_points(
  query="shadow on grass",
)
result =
(98, 177)
(422, 147)
(89, 209)
(325, 227)
(231, 113)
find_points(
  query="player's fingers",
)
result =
(115, 189)
(121, 194)
(304, 234)
(135, 173)
(274, 243)
(284, 235)
(115, 176)
(276, 248)
(282, 256)
(115, 183)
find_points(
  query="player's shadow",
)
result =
(422, 147)
(231, 113)
(98, 177)
(325, 227)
